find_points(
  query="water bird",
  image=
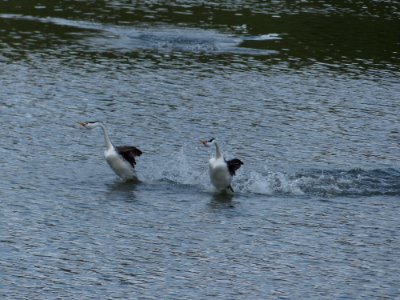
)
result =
(221, 170)
(121, 159)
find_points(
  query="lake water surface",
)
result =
(306, 94)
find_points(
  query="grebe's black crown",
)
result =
(210, 141)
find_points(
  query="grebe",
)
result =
(121, 159)
(221, 170)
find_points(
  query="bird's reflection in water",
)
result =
(122, 190)
(222, 200)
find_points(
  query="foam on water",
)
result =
(264, 37)
(269, 183)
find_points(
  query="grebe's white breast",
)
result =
(219, 173)
(120, 166)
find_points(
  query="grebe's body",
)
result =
(221, 171)
(120, 159)
(219, 174)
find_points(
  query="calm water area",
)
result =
(305, 93)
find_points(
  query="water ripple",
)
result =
(305, 93)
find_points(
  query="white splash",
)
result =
(185, 167)
(264, 37)
(270, 183)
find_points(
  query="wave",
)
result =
(250, 179)
(354, 182)
(163, 39)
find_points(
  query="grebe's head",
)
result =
(89, 125)
(208, 143)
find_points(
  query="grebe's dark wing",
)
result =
(234, 165)
(129, 153)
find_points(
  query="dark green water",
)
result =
(306, 93)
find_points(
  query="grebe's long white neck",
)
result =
(109, 145)
(91, 125)
(218, 153)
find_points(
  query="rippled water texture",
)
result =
(306, 94)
